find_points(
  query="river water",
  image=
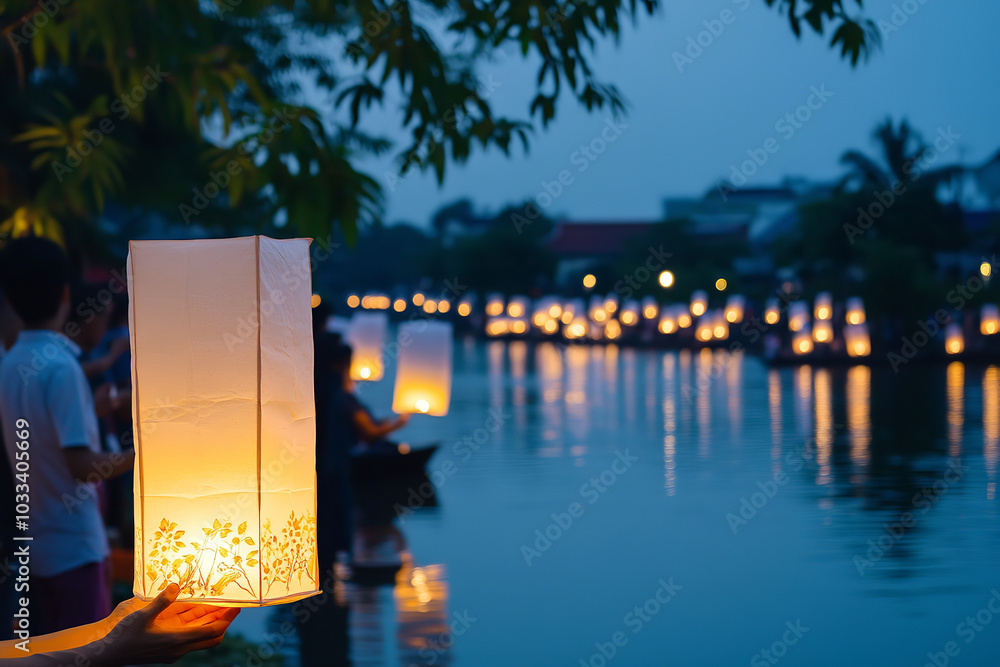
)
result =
(616, 506)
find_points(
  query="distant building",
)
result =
(580, 245)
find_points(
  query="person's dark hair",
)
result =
(340, 359)
(33, 273)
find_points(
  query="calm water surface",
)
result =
(697, 508)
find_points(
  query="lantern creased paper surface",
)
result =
(423, 371)
(224, 419)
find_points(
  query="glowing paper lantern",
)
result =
(517, 307)
(366, 336)
(650, 309)
(802, 341)
(629, 316)
(494, 305)
(423, 371)
(720, 325)
(699, 302)
(858, 340)
(683, 316)
(823, 331)
(668, 323)
(823, 307)
(989, 320)
(798, 316)
(224, 419)
(954, 342)
(772, 312)
(734, 308)
(855, 311)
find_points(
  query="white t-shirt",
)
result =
(42, 382)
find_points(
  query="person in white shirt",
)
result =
(47, 409)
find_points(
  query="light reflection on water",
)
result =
(856, 447)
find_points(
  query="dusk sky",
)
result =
(686, 130)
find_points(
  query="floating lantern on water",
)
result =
(423, 370)
(611, 304)
(577, 328)
(823, 306)
(683, 316)
(703, 330)
(798, 316)
(699, 303)
(772, 312)
(954, 341)
(989, 320)
(855, 311)
(802, 342)
(857, 339)
(668, 322)
(570, 310)
(629, 316)
(822, 331)
(551, 326)
(494, 305)
(720, 325)
(612, 330)
(517, 307)
(366, 336)
(734, 308)
(224, 420)
(498, 326)
(650, 309)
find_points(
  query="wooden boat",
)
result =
(391, 459)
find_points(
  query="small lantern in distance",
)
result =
(366, 336)
(423, 370)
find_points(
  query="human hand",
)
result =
(164, 630)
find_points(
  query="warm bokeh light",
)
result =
(954, 341)
(518, 327)
(365, 372)
(989, 319)
(550, 326)
(667, 325)
(611, 305)
(721, 284)
(612, 330)
(464, 309)
(589, 280)
(418, 299)
(697, 309)
(555, 311)
(316, 300)
(798, 316)
(823, 331)
(683, 320)
(802, 342)
(567, 317)
(353, 301)
(699, 303)
(599, 315)
(823, 306)
(421, 405)
(444, 306)
(985, 269)
(628, 318)
(399, 305)
(666, 279)
(430, 306)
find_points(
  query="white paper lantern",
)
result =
(224, 419)
(423, 371)
(366, 336)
